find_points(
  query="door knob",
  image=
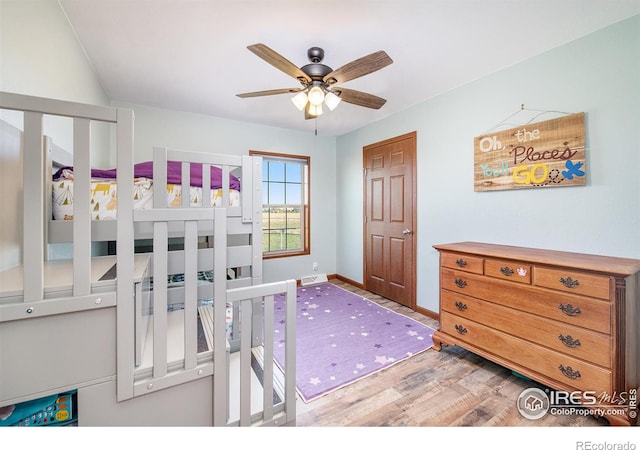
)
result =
(406, 231)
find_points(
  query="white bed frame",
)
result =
(69, 325)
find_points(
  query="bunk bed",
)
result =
(160, 316)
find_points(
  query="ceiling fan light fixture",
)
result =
(315, 110)
(316, 96)
(300, 100)
(331, 100)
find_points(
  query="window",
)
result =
(285, 208)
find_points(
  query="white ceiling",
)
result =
(191, 55)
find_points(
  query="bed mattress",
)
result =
(103, 196)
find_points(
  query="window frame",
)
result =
(306, 202)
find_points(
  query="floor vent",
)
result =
(313, 279)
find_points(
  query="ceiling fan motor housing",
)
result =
(315, 70)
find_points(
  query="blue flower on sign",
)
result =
(572, 169)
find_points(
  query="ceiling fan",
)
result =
(320, 83)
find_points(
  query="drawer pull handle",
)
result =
(461, 306)
(569, 341)
(461, 262)
(569, 372)
(460, 282)
(506, 271)
(569, 282)
(460, 329)
(569, 310)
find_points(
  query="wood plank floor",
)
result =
(452, 387)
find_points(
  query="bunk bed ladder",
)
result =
(167, 372)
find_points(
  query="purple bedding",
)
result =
(174, 174)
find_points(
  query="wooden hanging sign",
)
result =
(535, 155)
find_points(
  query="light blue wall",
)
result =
(40, 55)
(599, 75)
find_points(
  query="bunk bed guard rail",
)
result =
(35, 194)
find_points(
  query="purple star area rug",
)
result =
(342, 338)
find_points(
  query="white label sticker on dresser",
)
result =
(522, 271)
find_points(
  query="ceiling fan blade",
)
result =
(359, 67)
(279, 62)
(359, 98)
(269, 92)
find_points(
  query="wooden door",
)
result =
(389, 222)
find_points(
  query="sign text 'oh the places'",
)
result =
(543, 154)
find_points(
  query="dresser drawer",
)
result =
(599, 286)
(571, 309)
(508, 270)
(567, 370)
(459, 261)
(568, 339)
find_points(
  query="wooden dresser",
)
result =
(566, 320)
